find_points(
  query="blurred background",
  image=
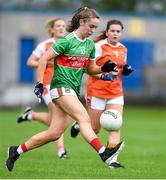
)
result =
(22, 27)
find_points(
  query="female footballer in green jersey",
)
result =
(72, 55)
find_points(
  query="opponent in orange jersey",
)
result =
(56, 29)
(104, 95)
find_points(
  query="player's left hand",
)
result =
(108, 77)
(109, 66)
(127, 69)
(38, 90)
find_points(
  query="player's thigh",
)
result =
(59, 120)
(73, 106)
(115, 103)
(95, 107)
(118, 107)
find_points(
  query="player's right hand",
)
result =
(108, 77)
(127, 69)
(109, 66)
(38, 90)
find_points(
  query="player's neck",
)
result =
(79, 34)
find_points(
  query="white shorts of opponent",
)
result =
(46, 95)
(100, 103)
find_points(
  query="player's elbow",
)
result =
(28, 63)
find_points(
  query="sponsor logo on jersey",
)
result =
(73, 61)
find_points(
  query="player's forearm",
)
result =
(33, 61)
(49, 54)
(33, 64)
(40, 70)
(95, 72)
(93, 69)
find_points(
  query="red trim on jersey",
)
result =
(24, 148)
(72, 61)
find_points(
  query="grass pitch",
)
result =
(144, 155)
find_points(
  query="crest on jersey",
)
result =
(82, 50)
(67, 90)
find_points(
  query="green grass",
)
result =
(144, 155)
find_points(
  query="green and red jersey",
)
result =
(72, 60)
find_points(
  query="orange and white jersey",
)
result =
(39, 51)
(107, 89)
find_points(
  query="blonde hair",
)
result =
(50, 25)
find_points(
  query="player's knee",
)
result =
(53, 136)
(83, 118)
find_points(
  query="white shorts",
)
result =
(100, 103)
(58, 92)
(46, 95)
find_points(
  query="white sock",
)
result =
(60, 153)
(19, 150)
(29, 117)
(101, 150)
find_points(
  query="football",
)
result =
(111, 120)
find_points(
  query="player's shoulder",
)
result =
(47, 41)
(105, 42)
(121, 45)
(50, 40)
(65, 39)
(101, 42)
(69, 36)
(90, 42)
